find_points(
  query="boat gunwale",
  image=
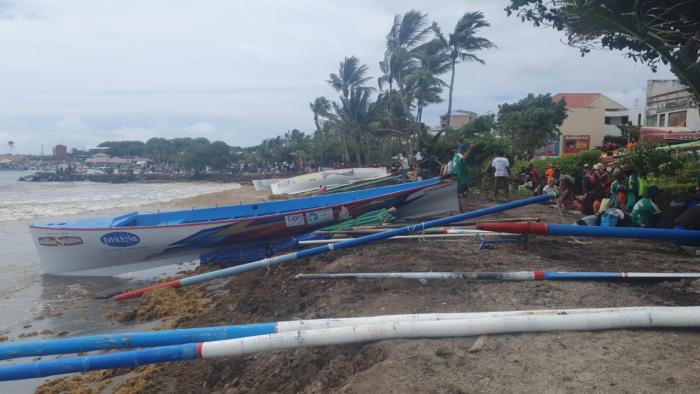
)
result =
(40, 227)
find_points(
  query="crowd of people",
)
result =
(612, 197)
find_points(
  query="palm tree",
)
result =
(434, 59)
(321, 107)
(353, 118)
(351, 74)
(12, 146)
(354, 95)
(407, 33)
(463, 43)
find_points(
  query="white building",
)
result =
(670, 104)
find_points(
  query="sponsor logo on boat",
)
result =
(322, 216)
(60, 241)
(120, 239)
(294, 220)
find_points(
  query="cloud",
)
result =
(244, 71)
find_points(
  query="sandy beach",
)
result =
(245, 194)
(621, 361)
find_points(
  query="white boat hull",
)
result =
(83, 252)
(329, 179)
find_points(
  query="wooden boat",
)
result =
(329, 179)
(111, 245)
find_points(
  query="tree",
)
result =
(407, 33)
(531, 122)
(647, 31)
(482, 124)
(354, 96)
(433, 59)
(321, 107)
(351, 74)
(354, 115)
(160, 150)
(195, 157)
(463, 42)
(12, 146)
(125, 148)
(218, 156)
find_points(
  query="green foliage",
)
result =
(647, 31)
(531, 122)
(125, 148)
(480, 125)
(570, 164)
(629, 132)
(160, 150)
(646, 159)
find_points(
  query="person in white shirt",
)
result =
(404, 167)
(501, 168)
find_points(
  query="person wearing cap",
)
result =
(645, 210)
(462, 171)
(618, 190)
(602, 180)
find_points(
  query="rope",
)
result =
(561, 221)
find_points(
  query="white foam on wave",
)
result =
(26, 200)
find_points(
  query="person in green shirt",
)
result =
(632, 189)
(461, 170)
(646, 210)
(618, 190)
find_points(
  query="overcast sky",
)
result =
(80, 72)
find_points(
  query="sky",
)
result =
(80, 72)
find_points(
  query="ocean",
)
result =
(32, 303)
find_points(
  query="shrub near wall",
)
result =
(569, 165)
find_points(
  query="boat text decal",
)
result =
(294, 220)
(322, 216)
(120, 239)
(60, 241)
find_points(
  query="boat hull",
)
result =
(114, 250)
(329, 179)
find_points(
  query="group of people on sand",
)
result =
(619, 197)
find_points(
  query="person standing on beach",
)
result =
(501, 169)
(403, 159)
(463, 176)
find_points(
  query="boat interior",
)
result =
(135, 219)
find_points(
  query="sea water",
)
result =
(32, 302)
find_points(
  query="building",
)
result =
(670, 104)
(458, 119)
(60, 152)
(590, 117)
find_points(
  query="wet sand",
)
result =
(619, 361)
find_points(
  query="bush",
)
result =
(570, 164)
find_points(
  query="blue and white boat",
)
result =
(112, 245)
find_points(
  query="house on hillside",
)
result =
(590, 117)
